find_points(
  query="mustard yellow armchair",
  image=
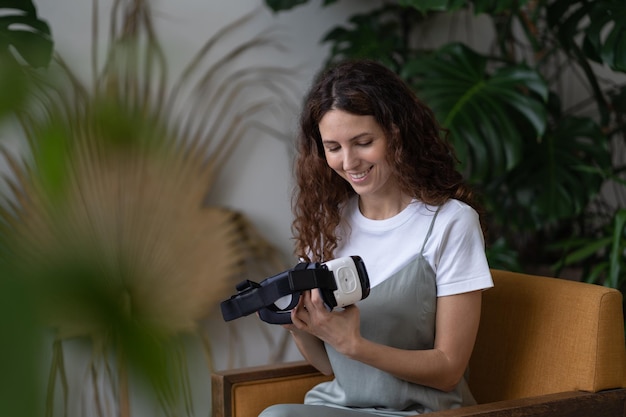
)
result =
(545, 347)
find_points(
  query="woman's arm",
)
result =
(441, 367)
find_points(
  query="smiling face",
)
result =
(356, 148)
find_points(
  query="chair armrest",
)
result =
(245, 392)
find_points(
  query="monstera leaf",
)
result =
(22, 31)
(278, 5)
(591, 31)
(489, 115)
(373, 34)
(601, 22)
(558, 172)
(24, 39)
(281, 5)
(606, 32)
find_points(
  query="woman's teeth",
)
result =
(360, 175)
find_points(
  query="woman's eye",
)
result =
(364, 144)
(332, 149)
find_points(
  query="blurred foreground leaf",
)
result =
(20, 349)
(24, 37)
(106, 218)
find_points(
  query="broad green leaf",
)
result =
(51, 158)
(280, 5)
(501, 256)
(585, 251)
(375, 34)
(486, 113)
(601, 22)
(607, 34)
(22, 32)
(597, 272)
(560, 173)
(604, 251)
(20, 354)
(14, 88)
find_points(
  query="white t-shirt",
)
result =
(455, 249)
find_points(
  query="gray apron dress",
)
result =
(399, 312)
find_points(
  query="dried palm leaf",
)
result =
(110, 208)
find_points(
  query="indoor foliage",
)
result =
(550, 167)
(25, 41)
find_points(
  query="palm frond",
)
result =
(109, 210)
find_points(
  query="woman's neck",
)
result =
(381, 209)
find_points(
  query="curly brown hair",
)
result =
(423, 161)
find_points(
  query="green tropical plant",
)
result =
(24, 36)
(608, 249)
(25, 41)
(539, 157)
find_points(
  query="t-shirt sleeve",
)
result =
(461, 263)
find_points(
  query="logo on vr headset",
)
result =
(341, 282)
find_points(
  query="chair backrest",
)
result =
(541, 335)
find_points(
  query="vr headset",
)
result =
(341, 282)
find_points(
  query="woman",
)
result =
(376, 178)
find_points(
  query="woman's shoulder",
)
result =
(456, 221)
(458, 211)
(451, 210)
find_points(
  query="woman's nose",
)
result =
(350, 160)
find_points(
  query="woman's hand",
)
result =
(339, 328)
